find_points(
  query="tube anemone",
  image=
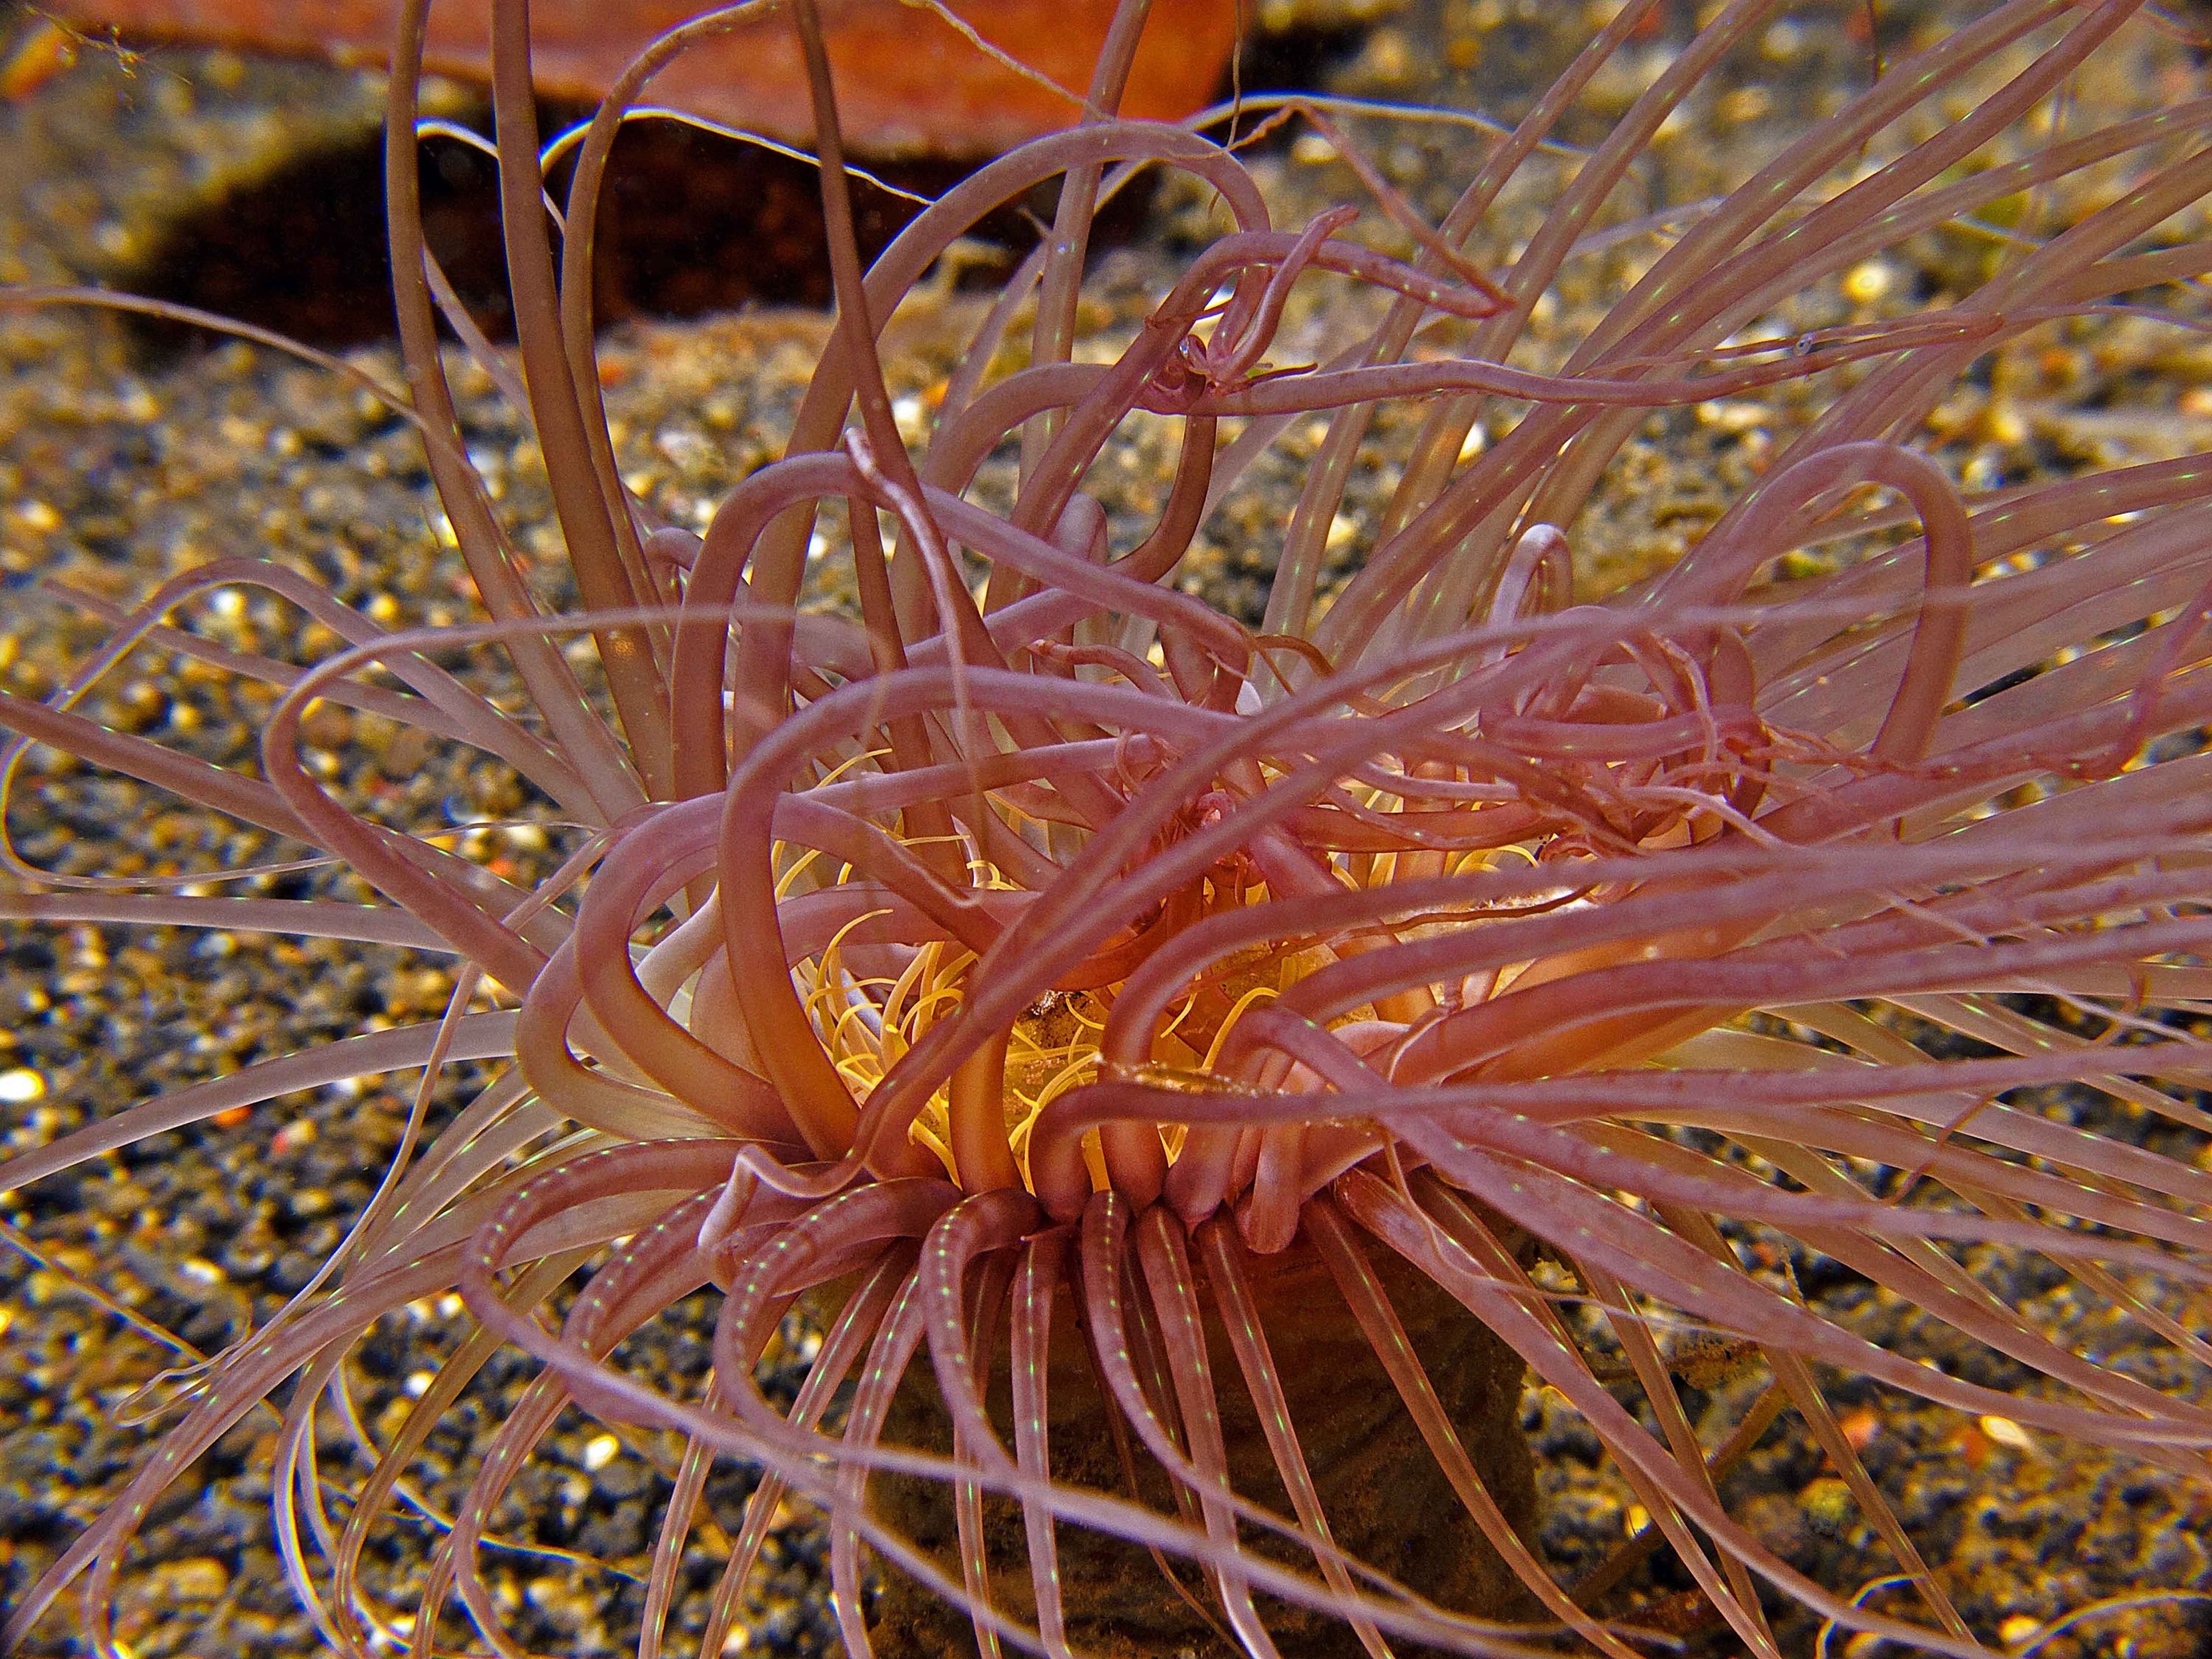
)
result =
(1191, 1071)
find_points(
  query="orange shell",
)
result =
(908, 82)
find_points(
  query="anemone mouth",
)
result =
(1555, 791)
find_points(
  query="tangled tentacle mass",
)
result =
(1139, 1036)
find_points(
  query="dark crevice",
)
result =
(1298, 59)
(691, 222)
